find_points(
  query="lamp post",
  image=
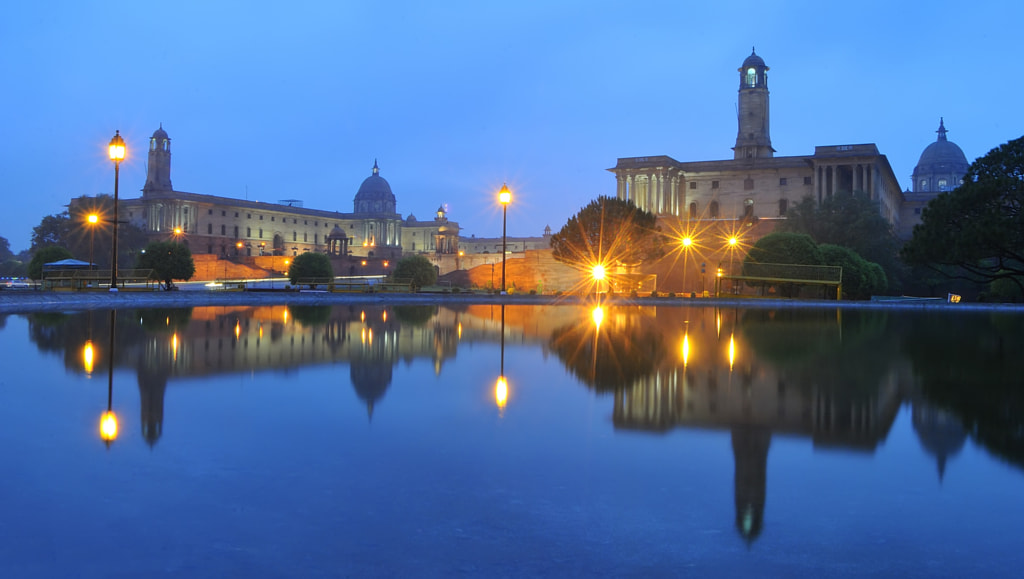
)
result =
(687, 243)
(92, 219)
(116, 151)
(504, 197)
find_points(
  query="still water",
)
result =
(310, 441)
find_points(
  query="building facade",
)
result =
(755, 183)
(230, 227)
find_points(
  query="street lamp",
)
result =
(598, 272)
(504, 197)
(92, 219)
(687, 243)
(116, 150)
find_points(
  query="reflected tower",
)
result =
(750, 452)
(152, 387)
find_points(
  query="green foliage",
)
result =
(13, 268)
(783, 247)
(976, 232)
(609, 231)
(52, 230)
(310, 266)
(46, 255)
(169, 261)
(416, 268)
(5, 249)
(1005, 290)
(861, 278)
(311, 316)
(414, 315)
(848, 219)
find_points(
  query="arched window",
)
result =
(943, 185)
(924, 184)
(748, 208)
(693, 210)
(713, 209)
(751, 77)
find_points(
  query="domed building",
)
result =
(941, 168)
(239, 228)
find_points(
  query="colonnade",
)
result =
(652, 191)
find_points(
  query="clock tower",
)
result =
(753, 139)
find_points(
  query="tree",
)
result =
(848, 219)
(860, 276)
(608, 231)
(52, 230)
(5, 249)
(978, 228)
(310, 266)
(416, 268)
(783, 247)
(46, 255)
(169, 261)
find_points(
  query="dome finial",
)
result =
(752, 51)
(375, 169)
(942, 130)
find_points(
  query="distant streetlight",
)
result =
(504, 197)
(116, 151)
(599, 274)
(92, 219)
(178, 232)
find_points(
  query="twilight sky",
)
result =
(295, 100)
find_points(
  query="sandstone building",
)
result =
(755, 183)
(231, 227)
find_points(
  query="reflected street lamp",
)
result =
(108, 420)
(116, 151)
(504, 197)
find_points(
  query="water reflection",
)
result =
(836, 379)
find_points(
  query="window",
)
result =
(693, 210)
(248, 231)
(236, 214)
(943, 185)
(316, 224)
(261, 218)
(236, 232)
(294, 221)
(305, 222)
(248, 215)
(748, 208)
(295, 236)
(693, 184)
(209, 211)
(209, 229)
(782, 181)
(271, 217)
(316, 236)
(713, 208)
(748, 184)
(223, 213)
(807, 180)
(751, 79)
(714, 184)
(924, 184)
(261, 233)
(783, 207)
(305, 236)
(223, 229)
(917, 210)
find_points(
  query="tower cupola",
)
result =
(158, 171)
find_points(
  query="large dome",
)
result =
(942, 165)
(374, 195)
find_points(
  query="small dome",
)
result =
(753, 60)
(374, 195)
(337, 233)
(160, 134)
(411, 218)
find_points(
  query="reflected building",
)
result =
(940, 433)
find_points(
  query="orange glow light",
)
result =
(88, 356)
(504, 196)
(108, 426)
(501, 392)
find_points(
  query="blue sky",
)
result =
(295, 100)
